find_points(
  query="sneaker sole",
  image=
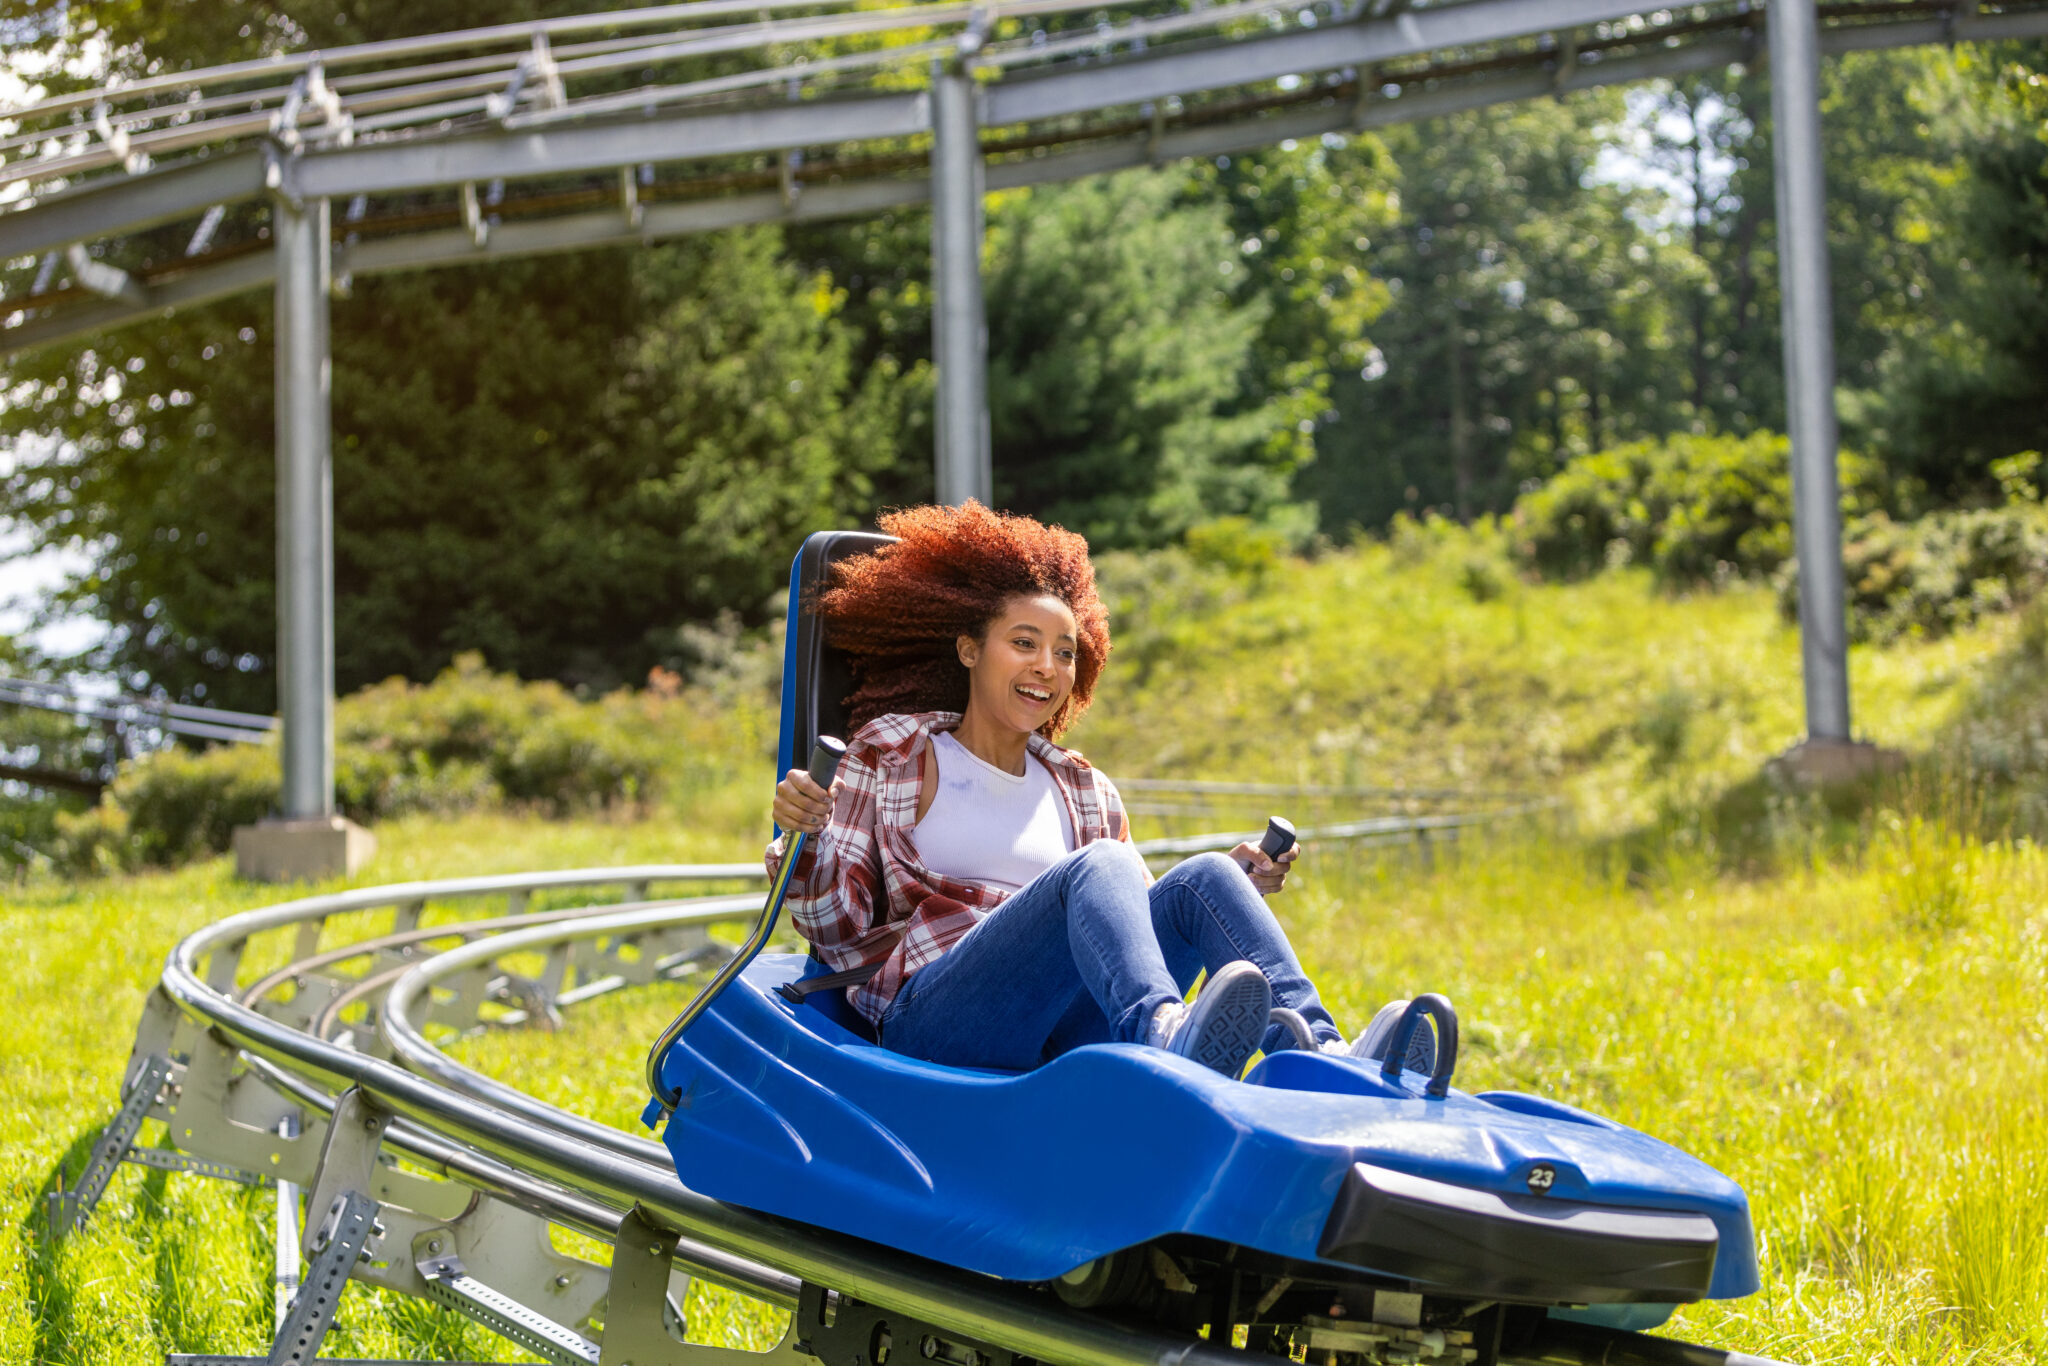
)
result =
(1228, 1021)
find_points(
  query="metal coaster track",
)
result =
(425, 1177)
(843, 133)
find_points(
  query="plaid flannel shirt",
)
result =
(862, 895)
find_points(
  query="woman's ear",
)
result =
(969, 650)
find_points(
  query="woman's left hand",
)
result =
(1267, 874)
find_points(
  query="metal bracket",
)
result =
(1567, 62)
(285, 1275)
(450, 1285)
(69, 1210)
(787, 180)
(233, 1116)
(279, 158)
(1363, 96)
(350, 1225)
(109, 282)
(117, 140)
(840, 1331)
(644, 1323)
(473, 217)
(171, 1160)
(629, 204)
(202, 236)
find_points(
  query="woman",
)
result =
(977, 883)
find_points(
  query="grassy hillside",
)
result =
(1848, 1018)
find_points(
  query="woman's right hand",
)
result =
(800, 804)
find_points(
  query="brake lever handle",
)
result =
(1277, 840)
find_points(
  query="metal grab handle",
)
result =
(826, 752)
(1439, 1009)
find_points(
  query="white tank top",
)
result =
(999, 829)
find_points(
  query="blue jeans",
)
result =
(1084, 953)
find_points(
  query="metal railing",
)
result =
(126, 709)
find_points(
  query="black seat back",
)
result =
(815, 677)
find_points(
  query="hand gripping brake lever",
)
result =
(1277, 840)
(826, 753)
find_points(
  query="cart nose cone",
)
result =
(1527, 1247)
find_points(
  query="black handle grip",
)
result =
(1277, 840)
(826, 752)
(1438, 1008)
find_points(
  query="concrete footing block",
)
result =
(1815, 762)
(308, 850)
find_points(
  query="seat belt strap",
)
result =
(794, 992)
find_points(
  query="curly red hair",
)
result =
(897, 611)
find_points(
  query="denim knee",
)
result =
(1208, 867)
(1111, 854)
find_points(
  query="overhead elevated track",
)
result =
(780, 138)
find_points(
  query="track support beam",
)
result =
(308, 841)
(305, 509)
(1806, 305)
(69, 1210)
(959, 330)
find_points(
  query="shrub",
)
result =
(1692, 508)
(470, 739)
(177, 805)
(1936, 574)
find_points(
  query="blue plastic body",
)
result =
(790, 1110)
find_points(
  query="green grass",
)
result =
(1849, 1018)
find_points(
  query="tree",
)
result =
(1529, 319)
(1119, 345)
(1971, 385)
(555, 461)
(1151, 365)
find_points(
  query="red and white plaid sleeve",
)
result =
(832, 893)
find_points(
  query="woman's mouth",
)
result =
(1037, 697)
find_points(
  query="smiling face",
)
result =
(1021, 671)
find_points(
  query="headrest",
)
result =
(815, 677)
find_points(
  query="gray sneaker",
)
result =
(1372, 1045)
(1222, 1029)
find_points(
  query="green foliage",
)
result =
(1965, 381)
(1121, 343)
(171, 807)
(1528, 318)
(34, 740)
(1693, 509)
(555, 462)
(470, 740)
(1939, 573)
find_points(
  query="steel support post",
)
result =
(1809, 364)
(305, 510)
(959, 331)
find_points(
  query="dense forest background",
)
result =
(574, 464)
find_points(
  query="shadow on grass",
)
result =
(50, 1295)
(1985, 777)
